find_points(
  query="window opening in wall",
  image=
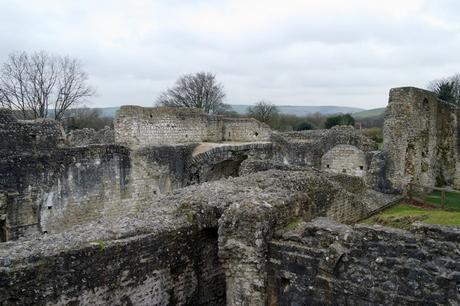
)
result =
(256, 134)
(344, 170)
(327, 166)
(426, 105)
(361, 167)
(229, 134)
(285, 283)
(3, 236)
(151, 116)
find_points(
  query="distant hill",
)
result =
(305, 110)
(285, 109)
(376, 112)
(109, 111)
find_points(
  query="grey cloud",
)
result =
(133, 51)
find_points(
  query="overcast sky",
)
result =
(323, 52)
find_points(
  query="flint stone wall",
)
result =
(306, 148)
(225, 161)
(166, 251)
(420, 139)
(325, 263)
(84, 137)
(179, 267)
(68, 185)
(345, 159)
(28, 135)
(137, 126)
(245, 130)
(52, 192)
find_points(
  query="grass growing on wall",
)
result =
(403, 215)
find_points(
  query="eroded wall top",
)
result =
(420, 137)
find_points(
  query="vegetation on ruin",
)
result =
(294, 224)
(448, 89)
(346, 119)
(403, 215)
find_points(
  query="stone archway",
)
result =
(224, 161)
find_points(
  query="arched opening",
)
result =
(223, 169)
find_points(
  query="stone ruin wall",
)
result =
(240, 241)
(85, 137)
(43, 193)
(345, 159)
(420, 139)
(171, 268)
(306, 148)
(47, 187)
(326, 263)
(245, 130)
(28, 135)
(138, 126)
(69, 186)
(202, 245)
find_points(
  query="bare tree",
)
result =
(32, 84)
(264, 111)
(448, 89)
(199, 90)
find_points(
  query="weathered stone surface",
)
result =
(344, 159)
(419, 139)
(245, 210)
(113, 224)
(138, 126)
(308, 147)
(86, 137)
(325, 263)
(225, 161)
(29, 135)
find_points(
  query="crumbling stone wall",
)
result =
(345, 159)
(167, 251)
(62, 186)
(308, 147)
(86, 136)
(180, 267)
(419, 138)
(225, 161)
(245, 129)
(28, 135)
(137, 126)
(325, 263)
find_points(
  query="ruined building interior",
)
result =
(178, 207)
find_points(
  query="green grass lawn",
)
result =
(452, 199)
(403, 215)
